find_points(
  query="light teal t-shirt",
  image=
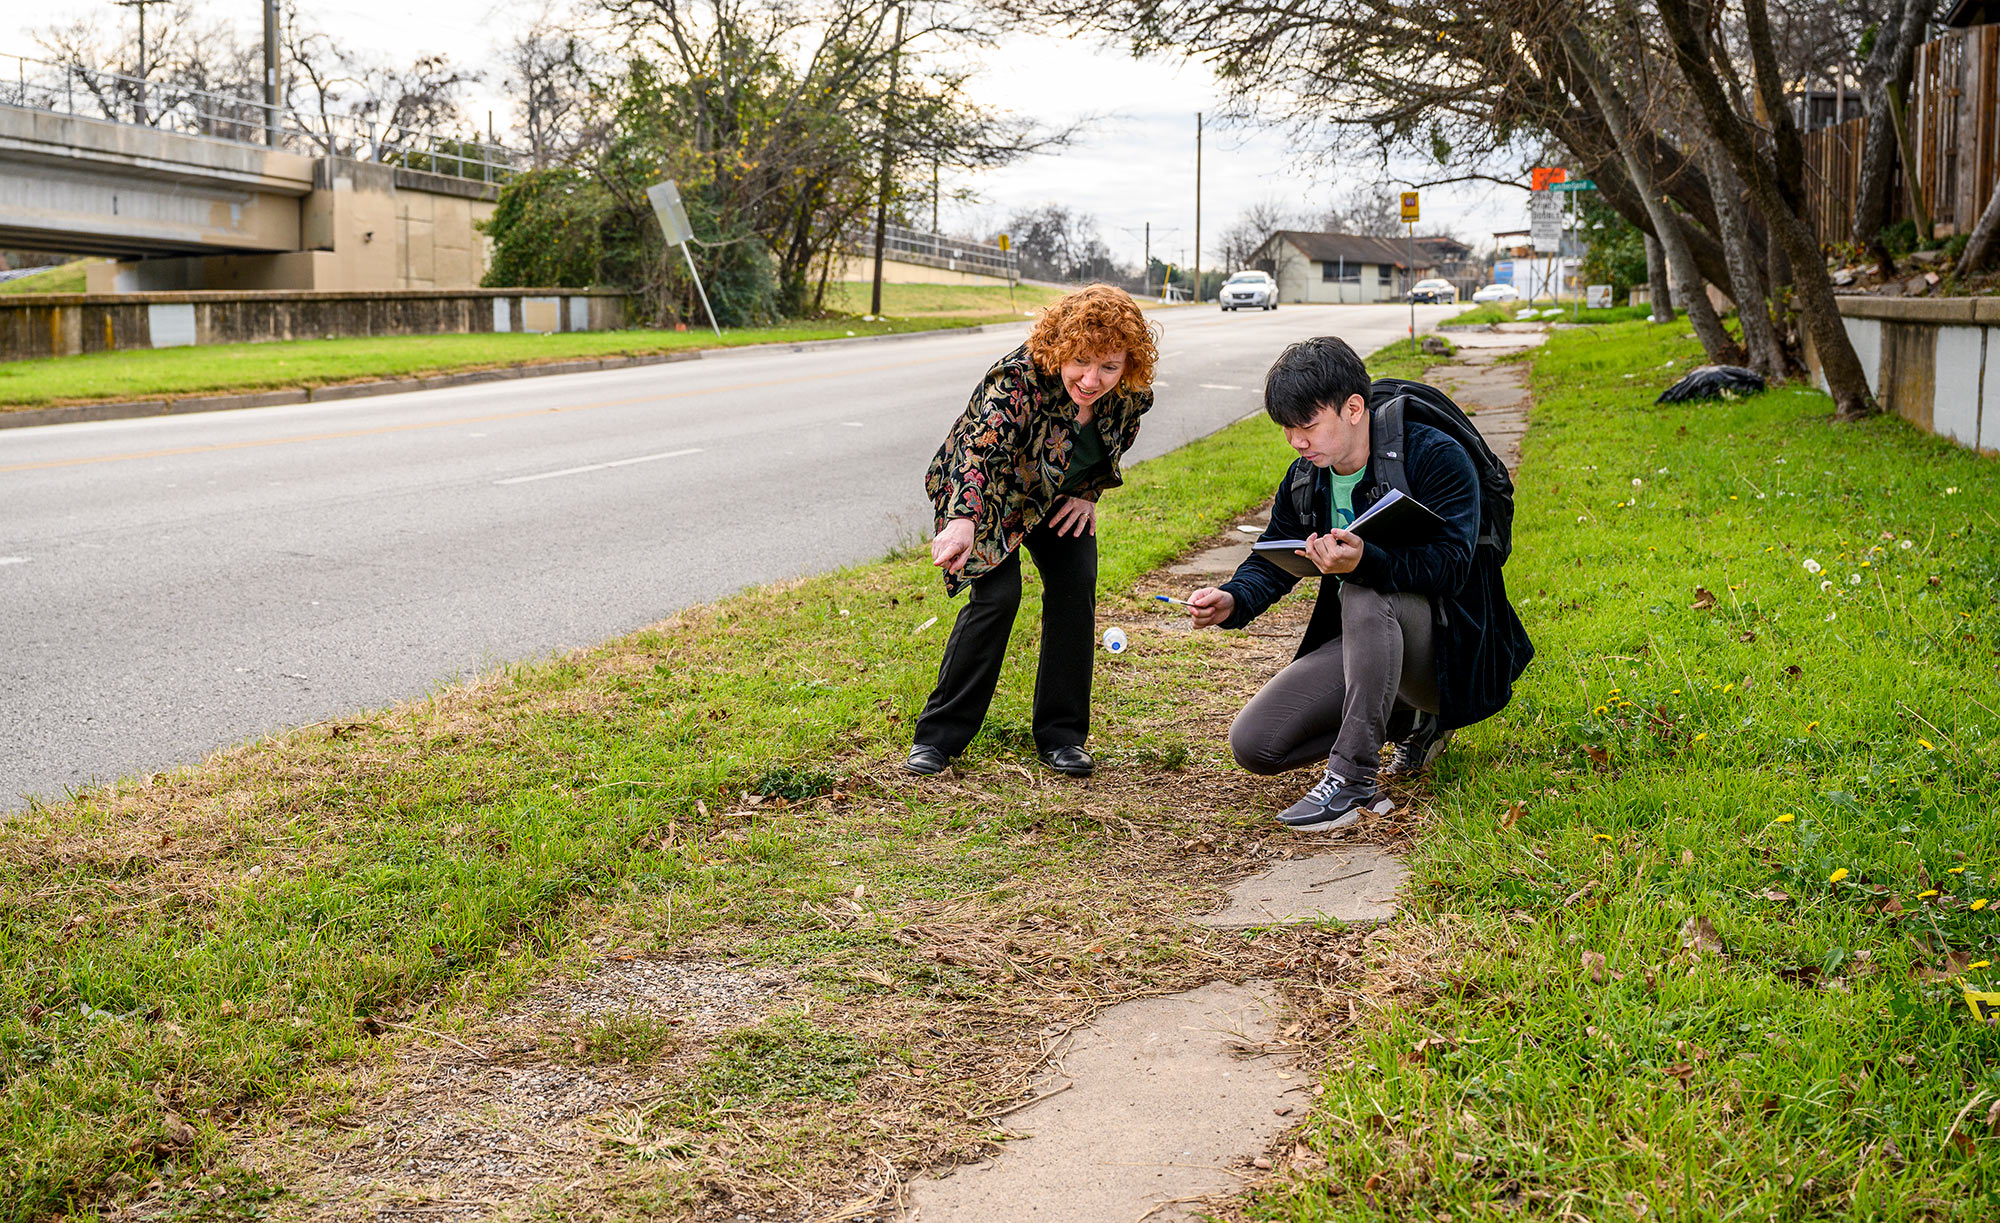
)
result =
(1343, 495)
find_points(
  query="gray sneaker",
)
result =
(1335, 803)
(1415, 753)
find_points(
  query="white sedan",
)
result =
(1497, 293)
(1248, 289)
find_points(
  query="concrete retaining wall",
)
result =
(1934, 362)
(65, 324)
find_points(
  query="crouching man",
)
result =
(1412, 635)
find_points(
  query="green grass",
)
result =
(1813, 773)
(63, 278)
(1506, 312)
(955, 301)
(226, 942)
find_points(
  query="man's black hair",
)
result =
(1310, 375)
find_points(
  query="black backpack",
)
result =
(1392, 402)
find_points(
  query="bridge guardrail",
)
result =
(166, 106)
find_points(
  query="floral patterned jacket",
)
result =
(1006, 456)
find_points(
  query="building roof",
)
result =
(1444, 245)
(1336, 248)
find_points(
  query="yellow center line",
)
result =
(418, 426)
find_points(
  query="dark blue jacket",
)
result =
(1480, 644)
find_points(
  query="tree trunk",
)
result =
(1891, 64)
(1983, 246)
(1751, 313)
(1688, 290)
(1656, 280)
(1813, 290)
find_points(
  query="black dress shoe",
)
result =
(1069, 761)
(925, 760)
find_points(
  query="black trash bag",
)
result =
(1714, 382)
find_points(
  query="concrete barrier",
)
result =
(1933, 361)
(65, 324)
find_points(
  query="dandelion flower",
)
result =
(1927, 744)
(1787, 818)
(1837, 875)
(1729, 687)
(1676, 692)
(1601, 837)
(1951, 491)
(1979, 904)
(1636, 482)
(1927, 894)
(1854, 579)
(1600, 710)
(1811, 727)
(1867, 564)
(1703, 735)
(1907, 544)
(1830, 616)
(1826, 584)
(1812, 566)
(1956, 870)
(1980, 964)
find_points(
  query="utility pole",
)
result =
(934, 194)
(139, 106)
(888, 156)
(1146, 268)
(1196, 295)
(273, 88)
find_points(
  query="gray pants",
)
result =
(1333, 705)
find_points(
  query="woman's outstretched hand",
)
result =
(952, 546)
(1075, 516)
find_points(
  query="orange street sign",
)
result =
(1410, 206)
(1544, 177)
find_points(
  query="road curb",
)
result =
(133, 409)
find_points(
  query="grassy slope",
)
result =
(63, 278)
(249, 367)
(1810, 772)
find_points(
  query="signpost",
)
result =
(1007, 244)
(1410, 222)
(676, 229)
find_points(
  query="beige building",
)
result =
(1330, 268)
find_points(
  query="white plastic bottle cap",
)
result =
(1114, 639)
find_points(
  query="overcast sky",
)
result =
(1132, 164)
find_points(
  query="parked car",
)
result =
(1497, 293)
(1249, 289)
(1434, 292)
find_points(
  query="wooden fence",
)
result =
(1954, 128)
(1955, 125)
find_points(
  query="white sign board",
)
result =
(1544, 222)
(666, 198)
(1597, 297)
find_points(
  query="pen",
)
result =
(1171, 599)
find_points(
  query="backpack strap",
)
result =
(1387, 447)
(1300, 487)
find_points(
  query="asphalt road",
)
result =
(172, 585)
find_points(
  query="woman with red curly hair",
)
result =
(1024, 466)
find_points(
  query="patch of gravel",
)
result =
(699, 998)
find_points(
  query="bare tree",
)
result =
(1367, 210)
(1251, 229)
(1890, 65)
(551, 74)
(1055, 243)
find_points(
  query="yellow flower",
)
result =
(1980, 964)
(1616, 691)
(1811, 727)
(1703, 735)
(1729, 687)
(1866, 564)
(1787, 818)
(1928, 745)
(1599, 709)
(1956, 870)
(1676, 692)
(1979, 904)
(1600, 837)
(1837, 876)
(1925, 895)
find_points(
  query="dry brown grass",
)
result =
(962, 1000)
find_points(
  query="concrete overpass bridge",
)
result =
(192, 190)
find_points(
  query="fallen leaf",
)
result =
(1680, 1070)
(1704, 598)
(1698, 934)
(1261, 1163)
(1512, 815)
(1747, 636)
(1601, 757)
(1777, 895)
(1593, 963)
(1687, 857)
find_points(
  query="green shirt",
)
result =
(1343, 495)
(1086, 456)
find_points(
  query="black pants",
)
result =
(971, 667)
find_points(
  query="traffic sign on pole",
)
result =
(1409, 207)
